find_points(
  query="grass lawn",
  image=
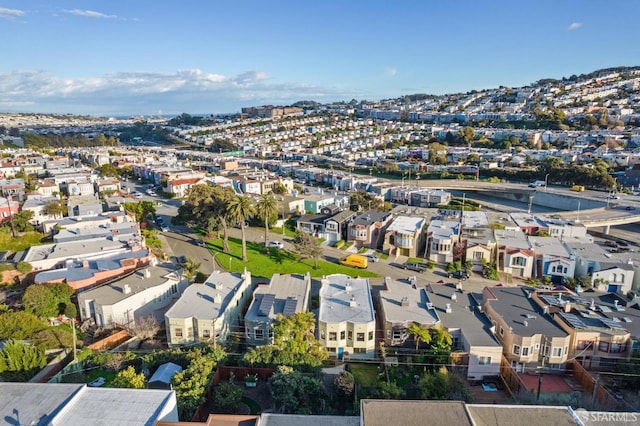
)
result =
(23, 242)
(365, 374)
(276, 262)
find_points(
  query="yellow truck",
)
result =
(355, 260)
(577, 188)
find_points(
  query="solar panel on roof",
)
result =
(578, 299)
(266, 304)
(573, 320)
(290, 306)
(605, 309)
(611, 324)
(550, 300)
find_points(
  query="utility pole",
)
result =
(13, 227)
(595, 390)
(73, 332)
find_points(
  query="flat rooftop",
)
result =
(336, 294)
(418, 310)
(292, 287)
(406, 224)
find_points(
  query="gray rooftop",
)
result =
(292, 287)
(72, 249)
(406, 224)
(475, 220)
(271, 419)
(113, 292)
(549, 246)
(369, 218)
(210, 299)
(33, 403)
(116, 407)
(77, 273)
(527, 415)
(418, 310)
(443, 229)
(464, 314)
(336, 298)
(527, 220)
(513, 306)
(593, 252)
(512, 239)
(380, 412)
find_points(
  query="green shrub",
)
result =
(24, 267)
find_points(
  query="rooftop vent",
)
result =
(526, 323)
(404, 302)
(352, 302)
(126, 289)
(448, 309)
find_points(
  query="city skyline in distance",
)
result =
(139, 58)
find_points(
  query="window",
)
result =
(360, 337)
(584, 344)
(516, 350)
(371, 335)
(399, 333)
(477, 255)
(190, 332)
(525, 351)
(322, 335)
(518, 261)
(342, 334)
(566, 350)
(206, 333)
(270, 331)
(616, 348)
(484, 360)
(603, 347)
(333, 336)
(350, 335)
(556, 352)
(178, 332)
(359, 350)
(501, 331)
(258, 333)
(537, 346)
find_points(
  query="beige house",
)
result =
(404, 236)
(346, 321)
(210, 311)
(524, 330)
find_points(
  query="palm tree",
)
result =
(240, 208)
(419, 334)
(266, 207)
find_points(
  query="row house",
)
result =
(552, 259)
(8, 208)
(368, 229)
(608, 272)
(514, 253)
(13, 188)
(405, 236)
(284, 295)
(346, 319)
(430, 198)
(181, 186)
(603, 328)
(37, 204)
(147, 293)
(109, 185)
(527, 333)
(336, 226)
(314, 203)
(442, 236)
(76, 188)
(84, 205)
(48, 189)
(528, 223)
(479, 246)
(209, 312)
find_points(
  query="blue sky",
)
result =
(202, 56)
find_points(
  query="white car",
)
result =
(276, 244)
(372, 258)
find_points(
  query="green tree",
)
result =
(227, 397)
(307, 246)
(109, 170)
(293, 392)
(55, 208)
(440, 344)
(466, 135)
(443, 385)
(24, 267)
(362, 200)
(240, 208)
(19, 361)
(266, 208)
(19, 325)
(22, 221)
(419, 334)
(143, 210)
(128, 378)
(190, 269)
(48, 300)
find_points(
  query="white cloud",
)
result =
(390, 72)
(10, 13)
(574, 26)
(90, 14)
(127, 92)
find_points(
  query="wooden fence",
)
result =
(111, 341)
(603, 398)
(511, 379)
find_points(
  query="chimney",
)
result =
(454, 297)
(126, 289)
(147, 273)
(217, 298)
(448, 309)
(352, 302)
(347, 287)
(567, 307)
(526, 323)
(404, 302)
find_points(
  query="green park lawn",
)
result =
(365, 374)
(275, 262)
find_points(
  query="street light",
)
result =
(545, 182)
(214, 260)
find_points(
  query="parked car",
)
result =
(182, 260)
(630, 208)
(459, 275)
(414, 266)
(613, 197)
(276, 244)
(372, 258)
(201, 243)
